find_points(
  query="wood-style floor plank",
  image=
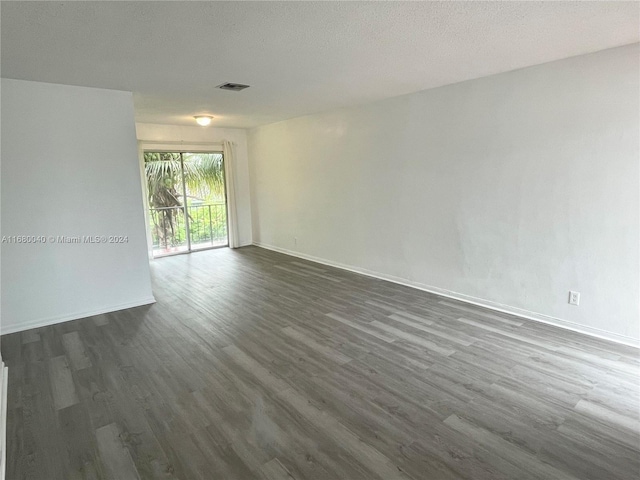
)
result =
(115, 457)
(62, 386)
(257, 365)
(75, 350)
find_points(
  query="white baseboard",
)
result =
(43, 322)
(519, 312)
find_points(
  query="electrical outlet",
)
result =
(574, 298)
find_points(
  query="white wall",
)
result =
(69, 167)
(508, 190)
(150, 134)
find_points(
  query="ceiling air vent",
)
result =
(234, 87)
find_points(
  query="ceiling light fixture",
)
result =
(203, 120)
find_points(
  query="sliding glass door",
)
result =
(187, 201)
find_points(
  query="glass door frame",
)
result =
(183, 195)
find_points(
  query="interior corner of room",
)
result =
(507, 191)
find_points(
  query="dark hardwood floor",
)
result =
(253, 364)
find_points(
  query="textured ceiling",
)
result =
(298, 57)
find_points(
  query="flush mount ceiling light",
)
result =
(203, 120)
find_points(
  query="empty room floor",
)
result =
(254, 364)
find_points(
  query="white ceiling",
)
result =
(298, 57)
